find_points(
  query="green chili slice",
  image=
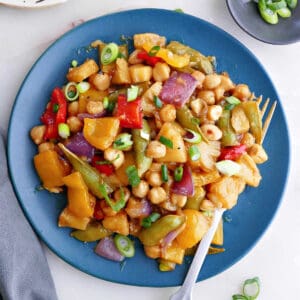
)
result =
(158, 103)
(233, 100)
(192, 137)
(123, 141)
(146, 222)
(167, 142)
(164, 173)
(109, 53)
(154, 50)
(194, 153)
(116, 206)
(178, 173)
(133, 176)
(276, 5)
(291, 3)
(284, 12)
(124, 245)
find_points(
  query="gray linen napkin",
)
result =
(24, 272)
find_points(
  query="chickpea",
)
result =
(133, 59)
(179, 200)
(154, 178)
(45, 146)
(226, 83)
(101, 81)
(214, 112)
(116, 157)
(118, 194)
(198, 106)
(211, 81)
(219, 93)
(74, 123)
(37, 133)
(248, 140)
(168, 205)
(141, 190)
(168, 113)
(212, 132)
(155, 167)
(161, 72)
(157, 195)
(156, 149)
(242, 92)
(73, 108)
(258, 154)
(207, 96)
(199, 76)
(94, 107)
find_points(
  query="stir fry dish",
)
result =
(148, 144)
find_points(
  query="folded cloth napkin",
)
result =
(24, 272)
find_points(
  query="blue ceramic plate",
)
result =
(249, 219)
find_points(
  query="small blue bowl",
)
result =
(246, 15)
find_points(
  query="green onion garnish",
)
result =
(74, 63)
(55, 108)
(192, 137)
(63, 130)
(105, 102)
(178, 173)
(83, 86)
(179, 10)
(157, 102)
(251, 288)
(71, 91)
(133, 176)
(123, 141)
(116, 206)
(164, 173)
(146, 222)
(167, 142)
(239, 297)
(109, 53)
(153, 51)
(194, 153)
(124, 245)
(132, 93)
(229, 106)
(233, 100)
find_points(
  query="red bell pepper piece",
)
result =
(106, 169)
(98, 213)
(55, 113)
(130, 113)
(233, 152)
(149, 60)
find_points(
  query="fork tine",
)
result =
(264, 108)
(259, 99)
(268, 121)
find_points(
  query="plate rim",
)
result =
(78, 266)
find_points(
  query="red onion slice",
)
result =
(186, 185)
(107, 249)
(81, 116)
(178, 89)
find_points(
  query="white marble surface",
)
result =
(25, 34)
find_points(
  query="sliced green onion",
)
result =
(167, 142)
(158, 103)
(132, 93)
(105, 102)
(179, 10)
(228, 167)
(195, 139)
(239, 297)
(123, 141)
(153, 51)
(194, 153)
(145, 135)
(116, 206)
(275, 5)
(63, 130)
(133, 176)
(83, 86)
(178, 173)
(71, 91)
(229, 106)
(284, 12)
(55, 108)
(251, 288)
(74, 63)
(292, 3)
(124, 245)
(164, 173)
(111, 106)
(147, 222)
(233, 100)
(109, 53)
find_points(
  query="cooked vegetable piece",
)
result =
(204, 178)
(117, 223)
(107, 249)
(68, 219)
(50, 169)
(121, 74)
(165, 265)
(186, 185)
(121, 172)
(194, 202)
(173, 253)
(266, 13)
(124, 245)
(228, 167)
(93, 232)
(154, 39)
(229, 137)
(101, 132)
(233, 152)
(109, 53)
(239, 120)
(178, 89)
(140, 144)
(197, 60)
(83, 71)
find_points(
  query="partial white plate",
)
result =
(31, 3)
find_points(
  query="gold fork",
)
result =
(185, 292)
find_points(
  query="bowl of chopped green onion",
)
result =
(271, 21)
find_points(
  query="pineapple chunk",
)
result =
(121, 75)
(148, 105)
(239, 120)
(140, 73)
(148, 38)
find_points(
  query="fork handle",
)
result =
(185, 292)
